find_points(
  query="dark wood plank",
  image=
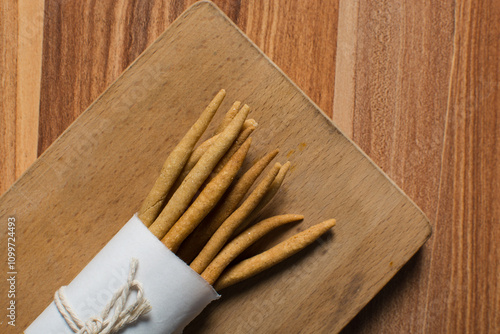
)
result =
(8, 93)
(87, 44)
(464, 290)
(399, 121)
(401, 73)
(21, 24)
(432, 122)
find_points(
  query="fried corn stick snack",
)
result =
(246, 130)
(172, 167)
(194, 158)
(224, 232)
(269, 258)
(275, 186)
(206, 200)
(242, 242)
(228, 117)
(184, 194)
(195, 209)
(244, 134)
(195, 242)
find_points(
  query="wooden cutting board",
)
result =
(80, 192)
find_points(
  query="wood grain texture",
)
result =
(21, 26)
(425, 103)
(391, 108)
(87, 184)
(87, 44)
(465, 251)
(418, 299)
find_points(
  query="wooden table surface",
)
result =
(416, 86)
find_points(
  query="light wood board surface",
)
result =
(87, 184)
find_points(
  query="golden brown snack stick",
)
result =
(196, 240)
(206, 200)
(267, 259)
(246, 130)
(173, 165)
(275, 186)
(224, 232)
(244, 134)
(197, 153)
(184, 194)
(242, 242)
(228, 117)
(192, 161)
(250, 122)
(200, 150)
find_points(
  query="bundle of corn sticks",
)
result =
(201, 211)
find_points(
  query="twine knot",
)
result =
(103, 324)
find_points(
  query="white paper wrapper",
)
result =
(176, 293)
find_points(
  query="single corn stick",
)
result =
(244, 134)
(275, 186)
(242, 242)
(172, 167)
(269, 258)
(246, 130)
(228, 117)
(197, 153)
(196, 240)
(206, 200)
(184, 194)
(200, 150)
(250, 122)
(192, 161)
(224, 232)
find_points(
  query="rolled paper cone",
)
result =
(176, 293)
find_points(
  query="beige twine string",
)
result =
(122, 316)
